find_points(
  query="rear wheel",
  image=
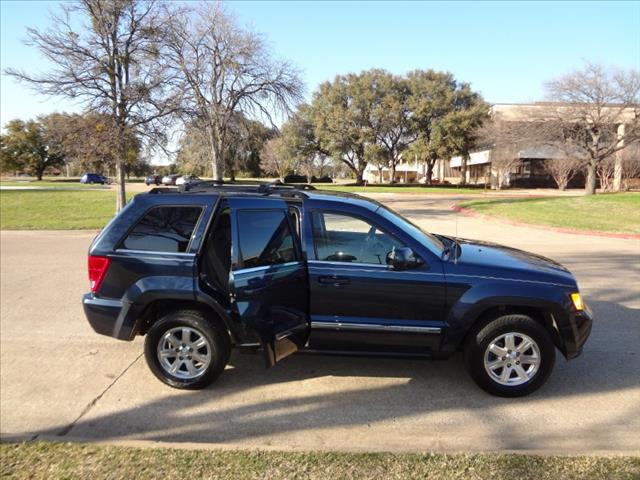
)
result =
(510, 356)
(186, 351)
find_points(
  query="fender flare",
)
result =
(475, 302)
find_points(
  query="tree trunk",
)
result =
(218, 163)
(393, 171)
(463, 169)
(429, 173)
(359, 180)
(121, 198)
(217, 157)
(590, 185)
(39, 173)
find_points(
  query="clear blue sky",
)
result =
(506, 50)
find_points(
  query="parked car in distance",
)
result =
(153, 179)
(187, 180)
(170, 179)
(280, 268)
(94, 178)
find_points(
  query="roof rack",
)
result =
(285, 189)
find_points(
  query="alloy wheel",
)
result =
(512, 359)
(184, 352)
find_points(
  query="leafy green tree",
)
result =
(341, 118)
(300, 148)
(245, 140)
(30, 146)
(444, 116)
(377, 157)
(390, 118)
(380, 118)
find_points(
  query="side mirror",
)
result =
(403, 258)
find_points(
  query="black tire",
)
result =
(195, 320)
(480, 339)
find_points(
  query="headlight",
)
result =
(576, 299)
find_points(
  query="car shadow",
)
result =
(311, 393)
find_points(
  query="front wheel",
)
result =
(510, 356)
(186, 351)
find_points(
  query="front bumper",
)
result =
(106, 316)
(576, 332)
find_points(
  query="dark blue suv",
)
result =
(94, 178)
(277, 269)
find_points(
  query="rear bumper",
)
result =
(106, 316)
(576, 332)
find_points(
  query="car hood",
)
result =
(492, 259)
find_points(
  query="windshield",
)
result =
(429, 240)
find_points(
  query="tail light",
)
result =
(97, 269)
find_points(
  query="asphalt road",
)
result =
(60, 379)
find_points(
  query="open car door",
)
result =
(269, 281)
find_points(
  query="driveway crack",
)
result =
(90, 405)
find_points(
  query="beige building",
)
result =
(529, 171)
(409, 172)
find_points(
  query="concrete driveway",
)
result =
(60, 379)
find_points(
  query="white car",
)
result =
(187, 179)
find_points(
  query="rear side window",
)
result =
(265, 238)
(164, 229)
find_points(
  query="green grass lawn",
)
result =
(56, 209)
(448, 190)
(41, 460)
(86, 208)
(618, 213)
(48, 184)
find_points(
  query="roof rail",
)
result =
(263, 188)
(157, 190)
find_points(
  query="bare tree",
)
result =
(112, 63)
(226, 70)
(272, 159)
(597, 114)
(605, 172)
(506, 140)
(504, 159)
(563, 169)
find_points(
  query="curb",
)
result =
(589, 233)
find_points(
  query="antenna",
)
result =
(455, 257)
(457, 212)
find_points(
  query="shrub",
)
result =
(294, 178)
(324, 179)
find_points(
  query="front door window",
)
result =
(340, 237)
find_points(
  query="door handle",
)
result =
(334, 280)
